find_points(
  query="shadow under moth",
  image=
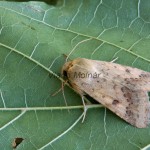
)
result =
(121, 89)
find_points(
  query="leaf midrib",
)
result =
(89, 106)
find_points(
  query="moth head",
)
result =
(65, 70)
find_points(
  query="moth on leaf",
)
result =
(121, 89)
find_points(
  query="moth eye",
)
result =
(65, 73)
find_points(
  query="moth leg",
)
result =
(61, 88)
(85, 108)
(114, 59)
(55, 93)
(63, 84)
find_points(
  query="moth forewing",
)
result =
(121, 89)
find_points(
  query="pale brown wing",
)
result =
(132, 106)
(127, 76)
(124, 75)
(121, 89)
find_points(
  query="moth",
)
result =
(121, 89)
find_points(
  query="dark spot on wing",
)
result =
(103, 96)
(104, 80)
(127, 93)
(129, 112)
(114, 87)
(115, 102)
(128, 71)
(122, 89)
(145, 75)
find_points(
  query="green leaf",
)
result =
(33, 38)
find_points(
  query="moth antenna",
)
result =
(62, 87)
(59, 90)
(55, 93)
(67, 57)
(85, 108)
(114, 59)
